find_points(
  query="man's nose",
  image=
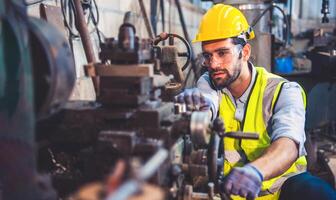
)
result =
(214, 63)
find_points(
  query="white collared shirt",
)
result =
(288, 119)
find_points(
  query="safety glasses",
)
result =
(221, 55)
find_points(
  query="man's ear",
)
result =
(246, 52)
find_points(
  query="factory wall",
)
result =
(111, 14)
(307, 15)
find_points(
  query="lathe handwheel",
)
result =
(171, 36)
(215, 158)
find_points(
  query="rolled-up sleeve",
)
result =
(288, 119)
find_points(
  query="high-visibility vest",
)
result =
(259, 109)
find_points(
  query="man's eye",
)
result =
(207, 56)
(222, 53)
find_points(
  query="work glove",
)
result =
(243, 181)
(194, 100)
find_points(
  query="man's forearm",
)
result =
(277, 158)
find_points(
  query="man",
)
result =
(250, 99)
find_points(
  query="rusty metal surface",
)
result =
(133, 70)
(127, 48)
(129, 91)
(53, 15)
(84, 33)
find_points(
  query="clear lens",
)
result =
(220, 56)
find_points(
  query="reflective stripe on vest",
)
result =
(260, 104)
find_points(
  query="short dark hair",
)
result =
(236, 41)
(239, 41)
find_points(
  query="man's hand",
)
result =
(243, 181)
(193, 99)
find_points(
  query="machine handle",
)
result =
(241, 135)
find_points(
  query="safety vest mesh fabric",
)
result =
(258, 111)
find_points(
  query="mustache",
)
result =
(212, 71)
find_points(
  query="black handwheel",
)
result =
(188, 54)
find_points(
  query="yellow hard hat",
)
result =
(223, 21)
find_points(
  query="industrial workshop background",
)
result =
(84, 83)
(111, 15)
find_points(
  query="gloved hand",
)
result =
(243, 181)
(194, 100)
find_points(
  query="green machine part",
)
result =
(18, 175)
(2, 67)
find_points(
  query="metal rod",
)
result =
(153, 14)
(147, 23)
(86, 40)
(84, 32)
(242, 135)
(162, 8)
(133, 185)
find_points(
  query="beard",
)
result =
(223, 82)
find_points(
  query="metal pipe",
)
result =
(147, 23)
(86, 40)
(162, 8)
(153, 14)
(84, 32)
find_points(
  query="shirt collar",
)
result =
(245, 95)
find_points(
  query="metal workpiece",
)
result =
(126, 37)
(199, 129)
(53, 67)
